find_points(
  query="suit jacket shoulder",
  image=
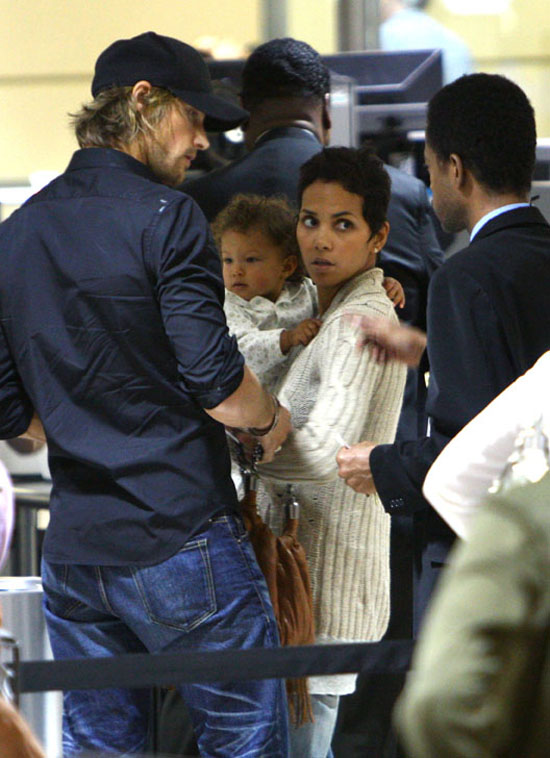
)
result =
(271, 168)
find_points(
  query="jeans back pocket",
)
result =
(179, 593)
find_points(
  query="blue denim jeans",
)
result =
(312, 739)
(211, 595)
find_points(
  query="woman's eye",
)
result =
(309, 221)
(252, 260)
(344, 224)
(227, 261)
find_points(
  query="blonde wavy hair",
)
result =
(112, 119)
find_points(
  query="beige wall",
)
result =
(314, 21)
(48, 49)
(515, 44)
(47, 54)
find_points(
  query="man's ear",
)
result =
(140, 90)
(327, 121)
(458, 169)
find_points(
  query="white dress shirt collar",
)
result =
(493, 214)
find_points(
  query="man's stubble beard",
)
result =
(162, 166)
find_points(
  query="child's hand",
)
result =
(302, 334)
(394, 291)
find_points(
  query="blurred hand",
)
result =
(354, 467)
(389, 340)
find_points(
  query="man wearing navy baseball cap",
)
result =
(142, 78)
(113, 333)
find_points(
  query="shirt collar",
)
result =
(493, 214)
(285, 131)
(97, 157)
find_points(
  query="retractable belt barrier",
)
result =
(168, 669)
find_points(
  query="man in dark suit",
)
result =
(285, 87)
(488, 306)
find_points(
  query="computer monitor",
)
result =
(392, 89)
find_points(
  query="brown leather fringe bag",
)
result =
(283, 563)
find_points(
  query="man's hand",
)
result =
(270, 443)
(35, 432)
(354, 466)
(388, 340)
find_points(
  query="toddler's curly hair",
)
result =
(272, 216)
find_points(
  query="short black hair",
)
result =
(283, 67)
(359, 171)
(488, 121)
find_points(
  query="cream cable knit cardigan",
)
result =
(334, 391)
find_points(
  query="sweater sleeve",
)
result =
(352, 386)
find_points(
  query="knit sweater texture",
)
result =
(336, 392)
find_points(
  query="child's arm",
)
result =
(395, 291)
(260, 347)
(301, 334)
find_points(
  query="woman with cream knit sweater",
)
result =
(337, 395)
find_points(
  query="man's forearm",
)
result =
(249, 406)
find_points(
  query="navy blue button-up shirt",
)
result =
(112, 328)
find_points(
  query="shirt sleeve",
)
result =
(186, 271)
(351, 382)
(16, 409)
(460, 477)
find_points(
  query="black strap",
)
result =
(144, 670)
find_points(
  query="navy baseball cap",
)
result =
(166, 62)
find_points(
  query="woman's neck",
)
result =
(325, 296)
